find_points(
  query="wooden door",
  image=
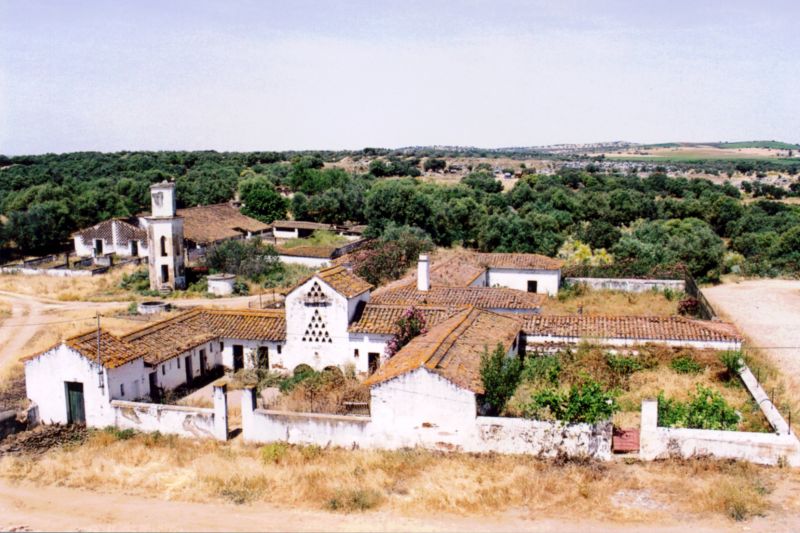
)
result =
(76, 412)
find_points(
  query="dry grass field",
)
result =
(613, 303)
(409, 482)
(100, 288)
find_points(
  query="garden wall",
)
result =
(630, 284)
(174, 419)
(486, 434)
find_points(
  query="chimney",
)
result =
(423, 274)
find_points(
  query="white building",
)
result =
(116, 236)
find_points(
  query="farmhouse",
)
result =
(332, 319)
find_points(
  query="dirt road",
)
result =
(64, 509)
(768, 312)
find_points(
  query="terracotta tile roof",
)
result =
(256, 325)
(382, 319)
(521, 261)
(630, 327)
(462, 269)
(321, 252)
(453, 348)
(176, 335)
(206, 224)
(341, 280)
(483, 297)
(301, 224)
(114, 351)
(126, 232)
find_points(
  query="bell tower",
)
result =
(165, 239)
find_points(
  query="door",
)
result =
(188, 365)
(203, 362)
(532, 286)
(154, 394)
(76, 413)
(135, 248)
(238, 356)
(164, 274)
(98, 247)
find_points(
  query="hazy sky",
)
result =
(269, 75)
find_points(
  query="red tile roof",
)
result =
(453, 348)
(341, 280)
(207, 224)
(483, 297)
(114, 351)
(630, 327)
(382, 319)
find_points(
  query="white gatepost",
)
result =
(648, 429)
(221, 412)
(248, 412)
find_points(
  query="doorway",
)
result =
(533, 286)
(203, 362)
(374, 361)
(135, 248)
(154, 392)
(98, 247)
(76, 411)
(164, 274)
(238, 357)
(188, 366)
(263, 357)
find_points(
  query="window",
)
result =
(179, 362)
(221, 346)
(122, 389)
(374, 361)
(163, 370)
(163, 246)
(532, 285)
(279, 349)
(355, 353)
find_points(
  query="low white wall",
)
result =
(760, 448)
(540, 342)
(630, 284)
(175, 419)
(57, 272)
(547, 281)
(313, 262)
(483, 435)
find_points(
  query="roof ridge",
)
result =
(133, 335)
(449, 337)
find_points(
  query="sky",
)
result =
(279, 75)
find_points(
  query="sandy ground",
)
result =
(25, 507)
(767, 312)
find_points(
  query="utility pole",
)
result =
(99, 359)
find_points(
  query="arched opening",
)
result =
(163, 246)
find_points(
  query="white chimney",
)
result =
(423, 274)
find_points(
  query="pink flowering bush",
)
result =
(411, 324)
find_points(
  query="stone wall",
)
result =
(630, 284)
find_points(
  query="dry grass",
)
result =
(100, 288)
(5, 309)
(407, 481)
(613, 303)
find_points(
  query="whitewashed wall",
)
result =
(548, 281)
(335, 315)
(367, 343)
(535, 342)
(630, 285)
(131, 376)
(250, 350)
(313, 262)
(286, 233)
(760, 448)
(172, 372)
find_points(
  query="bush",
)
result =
(500, 375)
(733, 363)
(240, 288)
(586, 402)
(706, 409)
(274, 452)
(623, 365)
(354, 500)
(689, 306)
(684, 364)
(542, 369)
(137, 281)
(250, 259)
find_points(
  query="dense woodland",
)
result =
(643, 223)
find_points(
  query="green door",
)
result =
(76, 413)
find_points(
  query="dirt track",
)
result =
(768, 313)
(29, 507)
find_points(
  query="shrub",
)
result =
(623, 365)
(584, 402)
(706, 409)
(137, 281)
(354, 500)
(120, 434)
(684, 364)
(240, 288)
(274, 452)
(542, 368)
(500, 375)
(251, 259)
(689, 306)
(411, 324)
(733, 363)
